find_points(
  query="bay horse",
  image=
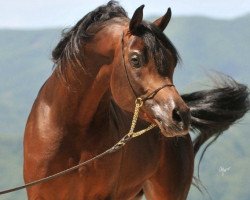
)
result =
(102, 65)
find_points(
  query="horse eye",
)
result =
(135, 61)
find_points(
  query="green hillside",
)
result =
(24, 64)
(204, 44)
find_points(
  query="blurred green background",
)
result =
(204, 44)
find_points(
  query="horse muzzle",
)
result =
(173, 119)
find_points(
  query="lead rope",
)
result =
(131, 134)
(122, 142)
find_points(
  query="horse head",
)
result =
(148, 61)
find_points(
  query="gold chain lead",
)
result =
(138, 104)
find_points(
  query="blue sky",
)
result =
(63, 13)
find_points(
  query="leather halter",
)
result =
(142, 97)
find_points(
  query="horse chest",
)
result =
(121, 173)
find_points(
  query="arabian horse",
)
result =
(102, 65)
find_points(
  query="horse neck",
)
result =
(76, 102)
(85, 90)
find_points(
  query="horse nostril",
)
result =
(176, 116)
(181, 117)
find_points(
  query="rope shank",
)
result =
(122, 142)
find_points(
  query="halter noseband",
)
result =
(141, 97)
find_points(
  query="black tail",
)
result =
(214, 111)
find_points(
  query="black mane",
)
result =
(68, 46)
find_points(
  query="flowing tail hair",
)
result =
(214, 111)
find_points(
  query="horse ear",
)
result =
(136, 19)
(163, 21)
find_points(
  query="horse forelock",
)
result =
(157, 44)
